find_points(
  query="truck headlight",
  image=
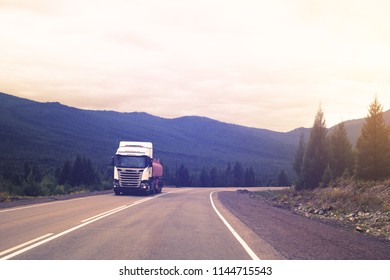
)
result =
(116, 183)
(144, 186)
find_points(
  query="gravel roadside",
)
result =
(300, 238)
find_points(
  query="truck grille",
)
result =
(129, 178)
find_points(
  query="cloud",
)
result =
(261, 64)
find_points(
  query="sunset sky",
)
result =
(265, 64)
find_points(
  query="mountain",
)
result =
(47, 134)
(354, 127)
(50, 133)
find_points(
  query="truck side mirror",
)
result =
(112, 161)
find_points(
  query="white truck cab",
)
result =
(135, 169)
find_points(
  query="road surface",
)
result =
(178, 224)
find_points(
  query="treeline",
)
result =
(79, 175)
(325, 158)
(233, 175)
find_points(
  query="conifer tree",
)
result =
(214, 177)
(77, 172)
(373, 146)
(65, 174)
(315, 159)
(228, 175)
(283, 179)
(298, 161)
(238, 174)
(249, 179)
(340, 151)
(204, 178)
(183, 178)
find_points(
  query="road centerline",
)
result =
(88, 221)
(101, 214)
(25, 244)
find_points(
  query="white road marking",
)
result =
(101, 214)
(24, 244)
(88, 221)
(235, 234)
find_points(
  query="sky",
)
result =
(264, 64)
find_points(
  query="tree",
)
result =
(228, 175)
(77, 172)
(65, 174)
(340, 151)
(90, 175)
(373, 146)
(250, 178)
(183, 177)
(238, 174)
(315, 158)
(283, 179)
(204, 178)
(298, 161)
(327, 177)
(214, 177)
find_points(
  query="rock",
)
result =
(359, 228)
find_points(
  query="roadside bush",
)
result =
(48, 185)
(59, 189)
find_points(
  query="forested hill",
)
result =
(50, 133)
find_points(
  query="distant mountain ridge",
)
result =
(50, 133)
(354, 126)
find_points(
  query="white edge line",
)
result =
(235, 234)
(24, 244)
(76, 227)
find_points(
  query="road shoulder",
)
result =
(261, 248)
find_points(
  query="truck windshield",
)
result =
(131, 161)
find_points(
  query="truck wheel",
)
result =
(152, 188)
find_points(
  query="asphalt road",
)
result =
(178, 224)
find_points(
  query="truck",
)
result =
(135, 170)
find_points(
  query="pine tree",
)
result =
(250, 179)
(298, 161)
(183, 178)
(238, 174)
(228, 175)
(204, 178)
(373, 146)
(315, 159)
(327, 177)
(65, 174)
(340, 151)
(283, 179)
(77, 172)
(214, 177)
